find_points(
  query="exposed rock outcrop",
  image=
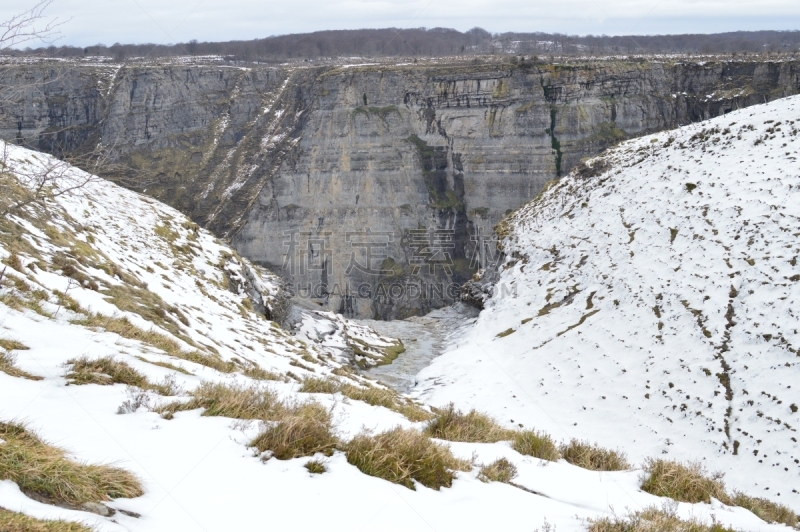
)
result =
(373, 190)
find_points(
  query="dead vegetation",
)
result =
(7, 366)
(593, 457)
(304, 429)
(501, 470)
(372, 395)
(42, 471)
(240, 401)
(767, 510)
(16, 522)
(123, 327)
(653, 520)
(315, 467)
(689, 482)
(107, 370)
(454, 425)
(403, 456)
(536, 444)
(104, 371)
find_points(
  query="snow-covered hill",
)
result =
(651, 301)
(103, 274)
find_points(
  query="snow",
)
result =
(199, 474)
(634, 296)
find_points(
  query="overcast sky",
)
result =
(168, 21)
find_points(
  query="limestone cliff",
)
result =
(372, 189)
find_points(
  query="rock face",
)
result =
(372, 190)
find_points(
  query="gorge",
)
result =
(371, 189)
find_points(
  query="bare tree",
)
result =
(29, 26)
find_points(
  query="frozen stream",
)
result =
(424, 338)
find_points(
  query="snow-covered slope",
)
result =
(104, 272)
(651, 301)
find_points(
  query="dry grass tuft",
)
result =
(317, 467)
(454, 425)
(105, 370)
(12, 345)
(167, 365)
(258, 373)
(320, 385)
(234, 400)
(42, 470)
(372, 395)
(16, 522)
(124, 328)
(584, 454)
(501, 470)
(301, 430)
(7, 361)
(537, 444)
(404, 455)
(688, 482)
(653, 520)
(767, 510)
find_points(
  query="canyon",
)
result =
(373, 190)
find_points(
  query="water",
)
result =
(424, 337)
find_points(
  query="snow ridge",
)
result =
(653, 304)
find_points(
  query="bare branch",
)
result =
(29, 26)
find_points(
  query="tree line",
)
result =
(436, 42)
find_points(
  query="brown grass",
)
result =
(501, 470)
(404, 455)
(372, 395)
(16, 522)
(105, 370)
(258, 373)
(454, 425)
(12, 345)
(164, 365)
(316, 467)
(42, 470)
(7, 366)
(234, 400)
(126, 329)
(689, 482)
(537, 444)
(653, 520)
(767, 510)
(301, 430)
(584, 454)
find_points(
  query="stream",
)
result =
(424, 337)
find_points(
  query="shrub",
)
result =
(766, 510)
(105, 370)
(234, 400)
(316, 467)
(454, 425)
(653, 520)
(43, 470)
(16, 522)
(688, 482)
(301, 430)
(500, 470)
(402, 456)
(584, 454)
(537, 444)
